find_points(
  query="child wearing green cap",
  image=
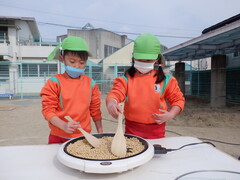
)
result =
(71, 94)
(146, 92)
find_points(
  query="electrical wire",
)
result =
(207, 139)
(191, 144)
(201, 171)
(120, 32)
(92, 19)
(114, 22)
(213, 140)
(162, 150)
(174, 132)
(234, 144)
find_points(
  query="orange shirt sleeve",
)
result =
(174, 95)
(119, 90)
(50, 99)
(95, 103)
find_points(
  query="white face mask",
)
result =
(143, 67)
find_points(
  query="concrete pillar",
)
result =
(180, 75)
(12, 35)
(218, 81)
(13, 77)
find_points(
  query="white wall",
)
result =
(3, 49)
(25, 32)
(30, 85)
(97, 38)
(36, 51)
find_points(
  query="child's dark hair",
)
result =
(81, 54)
(160, 74)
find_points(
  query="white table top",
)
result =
(40, 162)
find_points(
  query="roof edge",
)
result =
(221, 24)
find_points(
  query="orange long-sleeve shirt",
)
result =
(144, 97)
(78, 98)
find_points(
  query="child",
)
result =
(145, 92)
(71, 94)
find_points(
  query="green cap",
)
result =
(147, 47)
(71, 43)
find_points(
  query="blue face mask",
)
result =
(74, 72)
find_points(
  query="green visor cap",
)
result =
(71, 43)
(146, 47)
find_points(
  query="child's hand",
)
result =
(71, 127)
(113, 108)
(163, 116)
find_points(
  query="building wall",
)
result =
(25, 32)
(233, 60)
(122, 57)
(12, 35)
(97, 39)
(36, 52)
(3, 49)
(13, 54)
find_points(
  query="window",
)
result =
(236, 54)
(3, 34)
(187, 76)
(38, 70)
(29, 70)
(33, 70)
(108, 50)
(4, 71)
(47, 69)
(121, 70)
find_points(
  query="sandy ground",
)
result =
(22, 124)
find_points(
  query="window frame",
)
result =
(35, 70)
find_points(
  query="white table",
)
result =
(40, 162)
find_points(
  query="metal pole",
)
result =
(90, 71)
(14, 81)
(21, 86)
(191, 78)
(115, 70)
(198, 79)
(44, 79)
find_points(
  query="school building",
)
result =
(207, 66)
(24, 68)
